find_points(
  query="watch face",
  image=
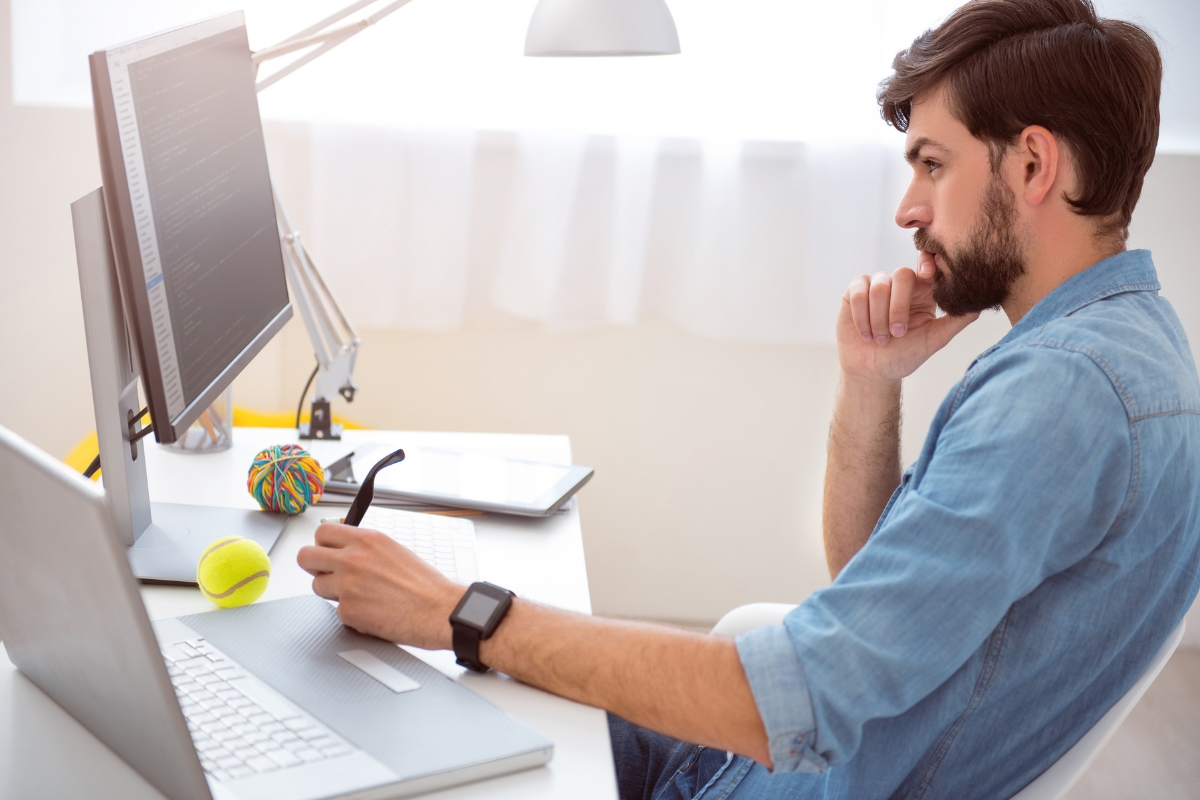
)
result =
(478, 609)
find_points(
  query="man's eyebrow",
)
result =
(914, 152)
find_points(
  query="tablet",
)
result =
(458, 479)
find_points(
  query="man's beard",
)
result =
(980, 275)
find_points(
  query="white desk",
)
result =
(45, 753)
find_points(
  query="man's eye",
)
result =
(931, 165)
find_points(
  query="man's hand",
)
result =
(888, 324)
(887, 327)
(382, 587)
(681, 684)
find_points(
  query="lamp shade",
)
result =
(601, 28)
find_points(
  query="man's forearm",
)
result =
(863, 466)
(681, 684)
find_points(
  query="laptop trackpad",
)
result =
(380, 670)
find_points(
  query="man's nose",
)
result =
(914, 211)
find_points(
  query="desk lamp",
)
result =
(557, 28)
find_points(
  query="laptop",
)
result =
(272, 700)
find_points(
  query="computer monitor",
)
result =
(180, 265)
(190, 211)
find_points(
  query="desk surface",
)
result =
(45, 753)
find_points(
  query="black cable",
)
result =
(304, 394)
(142, 434)
(93, 467)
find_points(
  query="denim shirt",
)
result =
(1023, 575)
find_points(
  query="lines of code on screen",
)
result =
(210, 192)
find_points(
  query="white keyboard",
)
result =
(237, 732)
(446, 543)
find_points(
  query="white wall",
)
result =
(709, 456)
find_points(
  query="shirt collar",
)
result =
(1128, 271)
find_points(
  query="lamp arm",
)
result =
(334, 340)
(318, 35)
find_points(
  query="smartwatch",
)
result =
(475, 618)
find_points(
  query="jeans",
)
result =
(651, 766)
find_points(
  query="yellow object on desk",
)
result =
(233, 571)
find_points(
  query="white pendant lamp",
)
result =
(601, 28)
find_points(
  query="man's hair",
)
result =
(1007, 64)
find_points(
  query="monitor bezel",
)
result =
(127, 256)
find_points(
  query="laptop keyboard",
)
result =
(235, 735)
(446, 543)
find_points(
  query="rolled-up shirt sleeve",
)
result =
(780, 691)
(1029, 469)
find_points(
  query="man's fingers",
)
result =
(902, 290)
(945, 328)
(331, 534)
(860, 306)
(317, 560)
(326, 586)
(880, 294)
(925, 266)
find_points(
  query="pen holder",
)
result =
(212, 431)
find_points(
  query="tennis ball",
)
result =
(233, 571)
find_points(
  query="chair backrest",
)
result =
(1062, 774)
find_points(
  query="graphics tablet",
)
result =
(461, 480)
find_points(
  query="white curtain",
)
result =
(739, 241)
(734, 189)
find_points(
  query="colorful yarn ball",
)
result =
(285, 478)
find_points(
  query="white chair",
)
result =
(1062, 774)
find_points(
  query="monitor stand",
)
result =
(165, 540)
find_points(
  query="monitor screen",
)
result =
(191, 211)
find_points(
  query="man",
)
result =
(991, 603)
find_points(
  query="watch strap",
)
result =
(466, 648)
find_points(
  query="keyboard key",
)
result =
(271, 727)
(220, 774)
(295, 723)
(311, 734)
(240, 772)
(262, 764)
(266, 746)
(229, 761)
(283, 758)
(255, 737)
(295, 744)
(308, 755)
(337, 751)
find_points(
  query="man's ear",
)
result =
(1040, 160)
